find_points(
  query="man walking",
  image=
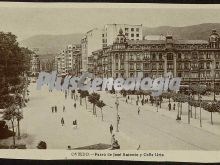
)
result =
(62, 121)
(111, 128)
(138, 110)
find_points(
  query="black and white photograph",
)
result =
(109, 77)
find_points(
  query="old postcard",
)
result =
(110, 81)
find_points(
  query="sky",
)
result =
(30, 19)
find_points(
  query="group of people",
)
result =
(54, 109)
(74, 122)
(170, 106)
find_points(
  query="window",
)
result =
(154, 66)
(153, 56)
(116, 66)
(131, 57)
(217, 65)
(138, 66)
(208, 56)
(126, 34)
(131, 66)
(132, 35)
(137, 29)
(132, 29)
(126, 29)
(160, 56)
(207, 65)
(122, 66)
(201, 65)
(170, 66)
(138, 57)
(137, 35)
(169, 56)
(186, 66)
(160, 66)
(146, 66)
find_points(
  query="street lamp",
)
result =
(117, 116)
(189, 110)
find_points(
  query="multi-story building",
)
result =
(96, 39)
(90, 42)
(35, 65)
(69, 60)
(110, 32)
(192, 60)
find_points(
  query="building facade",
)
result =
(90, 42)
(192, 60)
(35, 65)
(68, 61)
(96, 39)
(131, 32)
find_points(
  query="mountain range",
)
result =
(52, 44)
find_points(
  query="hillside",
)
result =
(201, 31)
(51, 44)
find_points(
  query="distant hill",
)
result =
(200, 32)
(52, 44)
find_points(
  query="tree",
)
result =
(180, 98)
(199, 89)
(167, 95)
(211, 107)
(195, 104)
(100, 104)
(94, 98)
(12, 114)
(84, 94)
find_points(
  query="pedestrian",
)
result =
(174, 106)
(62, 121)
(52, 108)
(74, 123)
(128, 97)
(169, 106)
(111, 128)
(64, 108)
(138, 110)
(55, 108)
(74, 105)
(118, 118)
(126, 101)
(137, 102)
(142, 101)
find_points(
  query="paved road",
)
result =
(155, 131)
(149, 129)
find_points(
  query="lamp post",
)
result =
(117, 116)
(214, 85)
(189, 111)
